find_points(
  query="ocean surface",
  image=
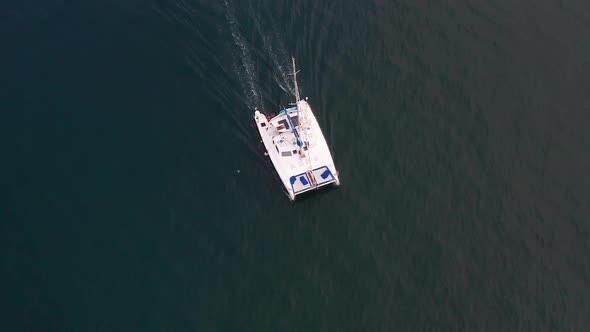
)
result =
(136, 195)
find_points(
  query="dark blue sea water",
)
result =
(461, 131)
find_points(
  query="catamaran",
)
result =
(297, 147)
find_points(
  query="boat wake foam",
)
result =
(246, 69)
(272, 54)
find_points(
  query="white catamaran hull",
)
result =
(297, 147)
(307, 167)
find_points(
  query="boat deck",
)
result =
(297, 149)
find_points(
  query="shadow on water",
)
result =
(316, 194)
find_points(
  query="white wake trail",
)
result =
(247, 74)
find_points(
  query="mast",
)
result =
(299, 142)
(295, 81)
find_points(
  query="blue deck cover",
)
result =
(303, 180)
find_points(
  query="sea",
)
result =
(136, 195)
